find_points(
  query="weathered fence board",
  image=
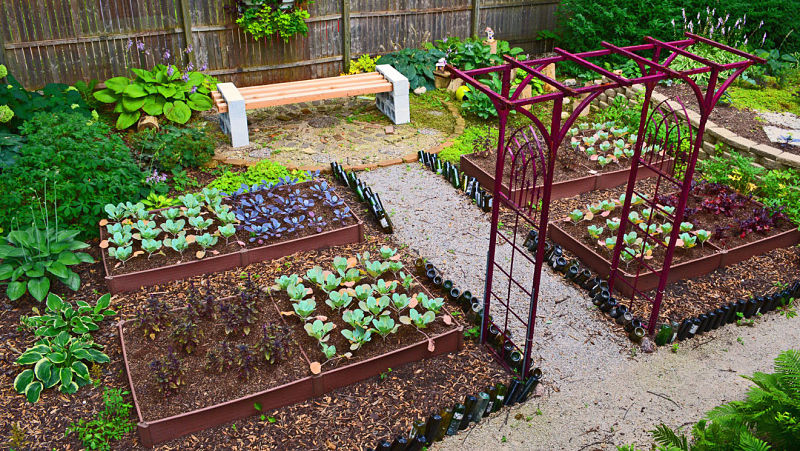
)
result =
(70, 40)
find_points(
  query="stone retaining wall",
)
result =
(717, 140)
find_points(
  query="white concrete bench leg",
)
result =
(234, 122)
(394, 104)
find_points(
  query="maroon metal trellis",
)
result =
(533, 150)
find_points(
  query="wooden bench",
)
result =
(389, 85)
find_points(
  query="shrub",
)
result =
(363, 64)
(472, 53)
(781, 187)
(264, 172)
(473, 139)
(736, 171)
(112, 423)
(88, 166)
(22, 104)
(174, 147)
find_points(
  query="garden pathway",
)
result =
(600, 390)
(350, 131)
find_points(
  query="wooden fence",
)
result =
(69, 40)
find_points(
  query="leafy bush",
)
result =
(781, 187)
(768, 418)
(265, 18)
(112, 423)
(60, 316)
(363, 64)
(174, 147)
(473, 139)
(472, 53)
(583, 24)
(161, 90)
(478, 103)
(737, 171)
(417, 65)
(87, 165)
(264, 172)
(33, 258)
(9, 148)
(24, 104)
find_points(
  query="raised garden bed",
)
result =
(293, 378)
(737, 229)
(260, 228)
(582, 166)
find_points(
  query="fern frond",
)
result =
(665, 436)
(749, 442)
(787, 366)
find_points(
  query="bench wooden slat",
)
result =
(309, 94)
(371, 76)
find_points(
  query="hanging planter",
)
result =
(269, 18)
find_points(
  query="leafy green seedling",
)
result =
(199, 223)
(418, 320)
(319, 330)
(630, 238)
(338, 300)
(363, 292)
(376, 268)
(296, 292)
(383, 288)
(330, 283)
(652, 229)
(666, 228)
(328, 350)
(634, 217)
(594, 208)
(122, 254)
(384, 326)
(576, 216)
(171, 214)
(148, 230)
(173, 227)
(400, 301)
(227, 231)
(431, 304)
(178, 244)
(151, 246)
(376, 306)
(189, 201)
(285, 281)
(356, 318)
(387, 252)
(610, 243)
(357, 337)
(689, 241)
(703, 236)
(686, 226)
(340, 265)
(612, 224)
(315, 275)
(408, 280)
(116, 212)
(595, 231)
(305, 308)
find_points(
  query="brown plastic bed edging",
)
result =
(685, 270)
(161, 430)
(353, 233)
(560, 190)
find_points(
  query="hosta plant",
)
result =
(59, 360)
(161, 90)
(32, 259)
(384, 326)
(60, 316)
(420, 321)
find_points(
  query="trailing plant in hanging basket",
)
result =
(266, 18)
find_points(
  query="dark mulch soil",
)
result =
(349, 418)
(743, 122)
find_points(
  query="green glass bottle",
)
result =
(469, 406)
(417, 428)
(500, 398)
(480, 406)
(447, 416)
(455, 422)
(432, 427)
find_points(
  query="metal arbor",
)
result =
(532, 152)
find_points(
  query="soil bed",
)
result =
(743, 122)
(242, 239)
(204, 388)
(406, 335)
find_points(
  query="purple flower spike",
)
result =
(140, 45)
(129, 44)
(166, 55)
(194, 89)
(203, 67)
(185, 77)
(190, 67)
(189, 49)
(170, 70)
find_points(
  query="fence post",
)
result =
(186, 18)
(346, 35)
(476, 18)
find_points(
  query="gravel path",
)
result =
(599, 390)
